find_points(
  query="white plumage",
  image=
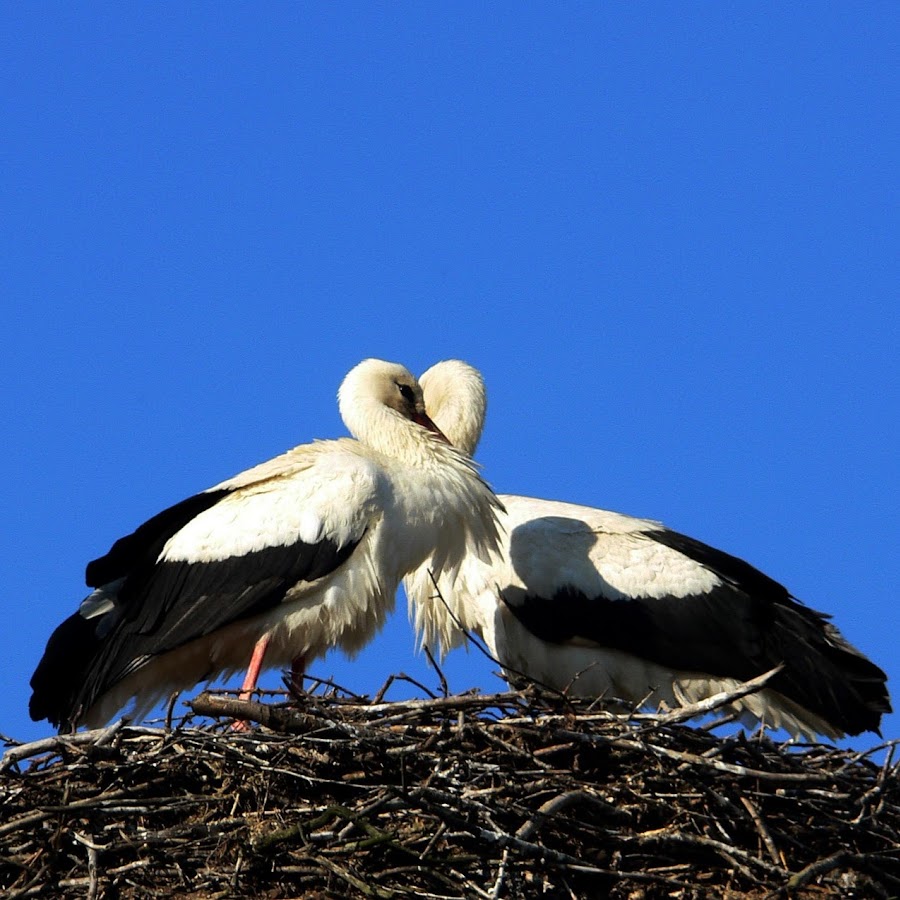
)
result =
(281, 562)
(603, 604)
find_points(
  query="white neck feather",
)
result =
(456, 400)
(439, 491)
(387, 431)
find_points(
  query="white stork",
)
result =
(276, 565)
(603, 604)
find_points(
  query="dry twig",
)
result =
(337, 796)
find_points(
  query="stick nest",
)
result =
(512, 795)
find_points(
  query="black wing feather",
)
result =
(741, 628)
(181, 601)
(162, 605)
(146, 541)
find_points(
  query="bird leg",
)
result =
(253, 670)
(298, 668)
(251, 678)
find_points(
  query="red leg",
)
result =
(253, 670)
(298, 667)
(252, 677)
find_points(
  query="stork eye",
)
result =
(407, 393)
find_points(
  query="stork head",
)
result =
(456, 399)
(374, 386)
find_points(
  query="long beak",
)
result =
(422, 419)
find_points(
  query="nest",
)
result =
(484, 796)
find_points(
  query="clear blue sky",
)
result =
(667, 233)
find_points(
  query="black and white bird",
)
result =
(273, 566)
(603, 604)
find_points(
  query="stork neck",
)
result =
(389, 433)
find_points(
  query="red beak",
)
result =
(423, 420)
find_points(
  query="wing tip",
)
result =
(58, 681)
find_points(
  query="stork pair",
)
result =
(305, 552)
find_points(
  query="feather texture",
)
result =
(608, 605)
(295, 556)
